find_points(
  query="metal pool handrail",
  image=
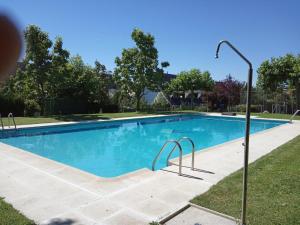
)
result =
(10, 115)
(193, 150)
(161, 150)
(292, 117)
(2, 125)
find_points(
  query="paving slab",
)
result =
(126, 217)
(197, 216)
(100, 210)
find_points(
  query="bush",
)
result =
(63, 106)
(202, 108)
(187, 107)
(11, 104)
(111, 108)
(32, 108)
(242, 108)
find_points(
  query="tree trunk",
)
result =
(192, 98)
(42, 102)
(138, 101)
(297, 95)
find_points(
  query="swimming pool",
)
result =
(113, 148)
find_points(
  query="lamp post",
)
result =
(247, 132)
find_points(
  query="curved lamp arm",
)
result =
(234, 49)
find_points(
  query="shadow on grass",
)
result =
(86, 117)
(172, 112)
(80, 117)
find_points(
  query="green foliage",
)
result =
(242, 108)
(201, 108)
(191, 80)
(60, 69)
(164, 64)
(102, 84)
(137, 68)
(31, 108)
(49, 74)
(123, 99)
(37, 63)
(280, 74)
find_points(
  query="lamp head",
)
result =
(218, 49)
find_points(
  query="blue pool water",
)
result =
(113, 148)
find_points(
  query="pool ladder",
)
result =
(2, 125)
(177, 145)
(292, 117)
(10, 117)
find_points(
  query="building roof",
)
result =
(168, 77)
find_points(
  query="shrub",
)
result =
(242, 108)
(202, 108)
(11, 104)
(31, 108)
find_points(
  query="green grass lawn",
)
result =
(72, 117)
(107, 116)
(10, 216)
(82, 117)
(274, 189)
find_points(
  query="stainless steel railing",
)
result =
(2, 125)
(292, 117)
(162, 149)
(177, 145)
(193, 151)
(11, 117)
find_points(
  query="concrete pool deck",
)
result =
(53, 193)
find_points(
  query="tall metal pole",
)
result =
(247, 131)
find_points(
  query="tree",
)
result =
(102, 83)
(227, 92)
(37, 63)
(164, 64)
(137, 69)
(48, 73)
(60, 69)
(279, 74)
(191, 80)
(81, 83)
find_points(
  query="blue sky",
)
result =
(186, 31)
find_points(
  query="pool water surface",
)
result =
(113, 148)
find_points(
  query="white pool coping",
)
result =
(45, 190)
